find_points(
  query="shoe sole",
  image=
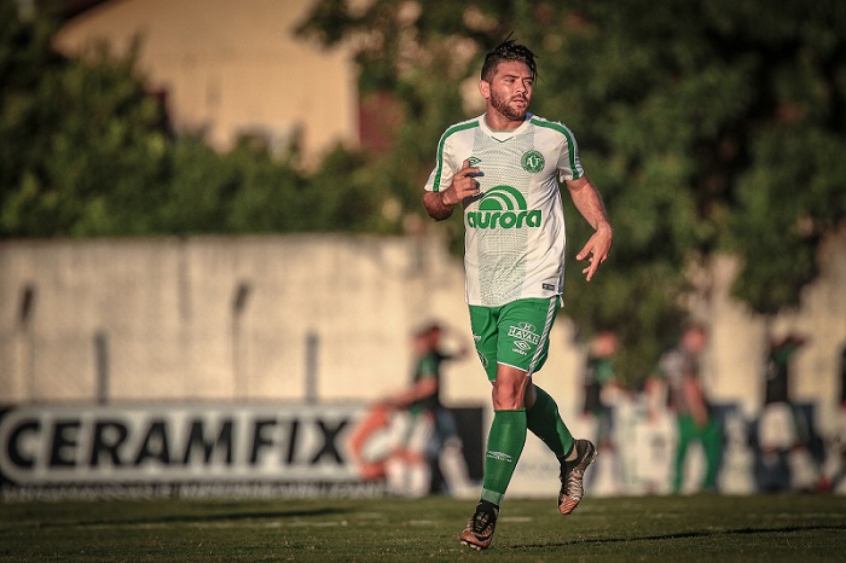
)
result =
(477, 546)
(472, 545)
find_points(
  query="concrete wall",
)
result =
(232, 67)
(220, 319)
(175, 330)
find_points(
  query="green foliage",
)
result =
(787, 203)
(86, 152)
(344, 195)
(708, 127)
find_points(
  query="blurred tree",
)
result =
(708, 127)
(345, 195)
(202, 188)
(83, 146)
(85, 151)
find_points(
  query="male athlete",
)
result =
(504, 168)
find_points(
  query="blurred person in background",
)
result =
(599, 378)
(503, 168)
(778, 368)
(432, 445)
(680, 370)
(410, 439)
(784, 433)
(600, 383)
(836, 461)
(839, 477)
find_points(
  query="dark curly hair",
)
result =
(508, 50)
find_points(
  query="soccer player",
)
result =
(431, 432)
(600, 378)
(504, 168)
(680, 367)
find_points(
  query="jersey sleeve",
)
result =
(441, 176)
(428, 368)
(569, 165)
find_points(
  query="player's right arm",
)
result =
(440, 204)
(420, 390)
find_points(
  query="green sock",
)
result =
(505, 444)
(545, 423)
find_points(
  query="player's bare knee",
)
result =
(508, 395)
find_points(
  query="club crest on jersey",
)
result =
(503, 207)
(532, 161)
(473, 161)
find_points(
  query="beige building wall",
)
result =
(232, 67)
(215, 319)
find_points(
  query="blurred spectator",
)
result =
(843, 379)
(834, 469)
(445, 449)
(777, 384)
(680, 368)
(600, 382)
(837, 476)
(784, 434)
(423, 451)
(600, 386)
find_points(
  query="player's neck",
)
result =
(498, 122)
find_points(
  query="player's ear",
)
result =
(485, 89)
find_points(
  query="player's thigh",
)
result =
(483, 322)
(523, 333)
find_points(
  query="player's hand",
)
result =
(464, 185)
(596, 250)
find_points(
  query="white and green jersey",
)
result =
(514, 240)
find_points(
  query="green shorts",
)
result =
(516, 334)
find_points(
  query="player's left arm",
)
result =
(589, 203)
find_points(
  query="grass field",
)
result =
(687, 529)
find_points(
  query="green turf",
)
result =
(685, 529)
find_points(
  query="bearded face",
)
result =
(512, 107)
